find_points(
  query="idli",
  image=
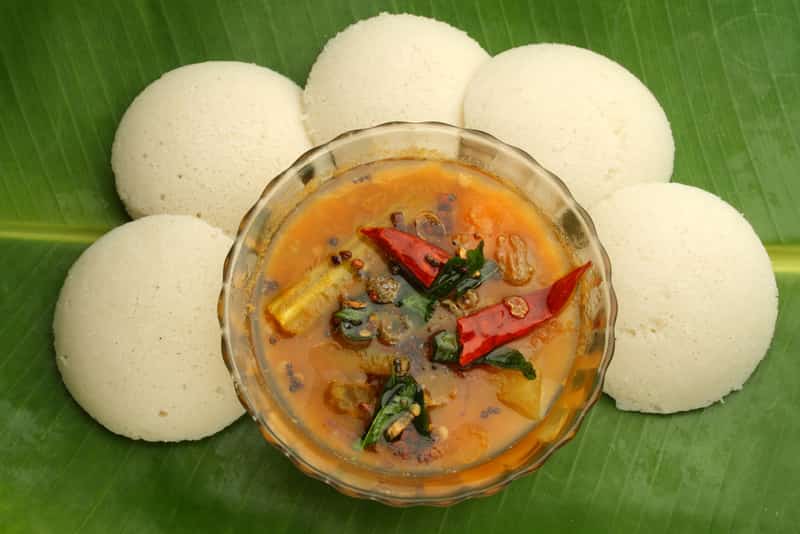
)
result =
(136, 334)
(581, 115)
(390, 68)
(205, 139)
(697, 297)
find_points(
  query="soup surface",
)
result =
(346, 322)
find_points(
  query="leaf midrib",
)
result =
(52, 233)
(785, 257)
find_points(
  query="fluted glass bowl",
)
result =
(434, 141)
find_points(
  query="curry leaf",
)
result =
(489, 270)
(455, 277)
(445, 347)
(418, 304)
(422, 422)
(399, 394)
(508, 359)
(461, 274)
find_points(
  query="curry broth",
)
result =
(302, 366)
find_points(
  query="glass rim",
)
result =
(224, 311)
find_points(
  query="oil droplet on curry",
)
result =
(418, 315)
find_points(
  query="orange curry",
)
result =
(380, 315)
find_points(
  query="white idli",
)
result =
(136, 334)
(697, 297)
(581, 115)
(205, 139)
(390, 68)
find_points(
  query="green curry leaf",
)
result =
(422, 422)
(508, 359)
(489, 270)
(418, 304)
(445, 347)
(459, 274)
(399, 393)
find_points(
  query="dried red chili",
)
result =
(420, 258)
(487, 329)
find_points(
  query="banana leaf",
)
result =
(728, 75)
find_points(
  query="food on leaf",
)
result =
(204, 139)
(136, 331)
(387, 68)
(575, 124)
(698, 298)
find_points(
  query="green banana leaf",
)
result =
(728, 75)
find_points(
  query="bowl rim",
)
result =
(497, 484)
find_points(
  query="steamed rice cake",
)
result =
(390, 68)
(581, 115)
(697, 297)
(136, 334)
(205, 139)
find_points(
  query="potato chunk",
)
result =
(520, 394)
(351, 398)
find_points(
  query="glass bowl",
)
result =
(242, 274)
